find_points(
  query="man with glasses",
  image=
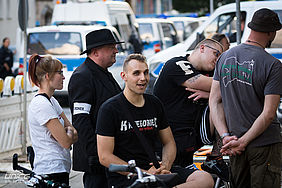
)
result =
(183, 86)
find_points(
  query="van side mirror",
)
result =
(175, 39)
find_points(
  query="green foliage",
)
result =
(200, 6)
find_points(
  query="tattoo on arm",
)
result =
(194, 78)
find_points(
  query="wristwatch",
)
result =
(224, 135)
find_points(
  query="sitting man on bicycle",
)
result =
(117, 141)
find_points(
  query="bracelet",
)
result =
(224, 135)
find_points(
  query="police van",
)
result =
(106, 13)
(66, 42)
(223, 20)
(185, 26)
(156, 34)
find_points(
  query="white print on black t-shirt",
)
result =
(146, 124)
(185, 68)
(232, 70)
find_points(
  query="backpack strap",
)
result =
(44, 95)
(146, 146)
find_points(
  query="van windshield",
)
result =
(54, 43)
(146, 31)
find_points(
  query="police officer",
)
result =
(6, 59)
(90, 85)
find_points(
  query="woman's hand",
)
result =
(198, 94)
(71, 132)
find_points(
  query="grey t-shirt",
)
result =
(246, 74)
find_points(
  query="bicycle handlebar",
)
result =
(34, 178)
(17, 167)
(131, 167)
(119, 168)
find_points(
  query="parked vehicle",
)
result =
(185, 26)
(157, 34)
(107, 13)
(279, 112)
(223, 20)
(66, 42)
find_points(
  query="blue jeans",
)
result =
(98, 180)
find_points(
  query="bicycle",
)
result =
(35, 180)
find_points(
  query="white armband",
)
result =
(81, 108)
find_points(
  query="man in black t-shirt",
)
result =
(183, 86)
(118, 143)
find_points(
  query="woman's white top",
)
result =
(50, 156)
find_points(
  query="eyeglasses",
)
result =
(217, 51)
(60, 72)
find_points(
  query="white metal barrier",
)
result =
(11, 115)
(11, 125)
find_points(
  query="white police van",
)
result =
(106, 13)
(223, 20)
(185, 26)
(66, 42)
(156, 34)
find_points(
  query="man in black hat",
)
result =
(90, 85)
(244, 97)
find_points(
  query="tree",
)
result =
(200, 6)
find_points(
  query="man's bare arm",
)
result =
(216, 108)
(199, 82)
(263, 121)
(169, 147)
(105, 145)
(217, 113)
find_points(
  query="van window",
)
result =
(190, 28)
(54, 43)
(226, 24)
(146, 31)
(277, 43)
(179, 26)
(170, 35)
(121, 23)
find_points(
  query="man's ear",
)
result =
(122, 75)
(202, 48)
(95, 52)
